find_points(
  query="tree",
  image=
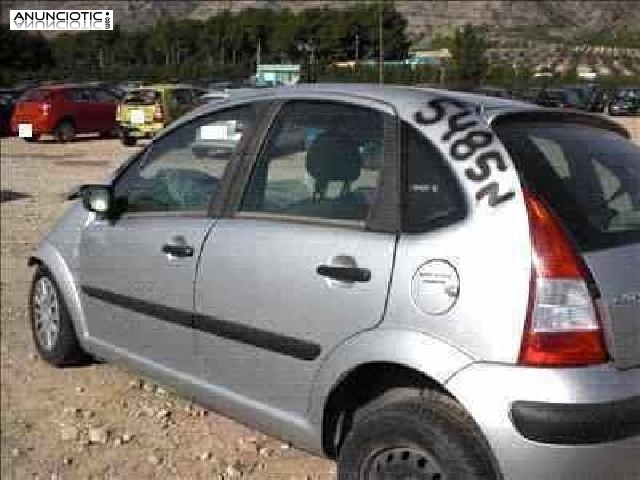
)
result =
(468, 55)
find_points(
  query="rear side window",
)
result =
(320, 160)
(35, 95)
(143, 97)
(432, 197)
(589, 176)
(79, 95)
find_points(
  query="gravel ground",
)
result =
(102, 421)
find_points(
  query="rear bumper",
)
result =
(140, 131)
(580, 423)
(583, 424)
(40, 126)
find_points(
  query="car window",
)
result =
(320, 159)
(589, 176)
(183, 96)
(432, 195)
(182, 170)
(35, 95)
(103, 96)
(144, 96)
(79, 95)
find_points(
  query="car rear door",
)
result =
(137, 270)
(303, 259)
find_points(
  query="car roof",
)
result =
(403, 98)
(392, 94)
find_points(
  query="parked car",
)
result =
(8, 98)
(64, 111)
(465, 306)
(148, 109)
(211, 96)
(490, 91)
(625, 101)
(561, 98)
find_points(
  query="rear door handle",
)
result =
(344, 274)
(178, 250)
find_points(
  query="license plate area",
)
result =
(25, 130)
(137, 116)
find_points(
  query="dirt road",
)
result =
(101, 421)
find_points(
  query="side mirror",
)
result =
(97, 198)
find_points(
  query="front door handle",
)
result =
(178, 250)
(344, 274)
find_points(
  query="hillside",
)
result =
(564, 18)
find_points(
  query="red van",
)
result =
(65, 110)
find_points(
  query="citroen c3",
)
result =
(426, 285)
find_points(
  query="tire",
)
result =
(425, 435)
(128, 141)
(65, 131)
(60, 348)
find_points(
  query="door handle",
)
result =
(178, 250)
(344, 274)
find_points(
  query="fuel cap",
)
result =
(435, 287)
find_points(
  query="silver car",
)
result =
(417, 283)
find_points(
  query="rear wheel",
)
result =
(53, 332)
(128, 140)
(65, 131)
(424, 436)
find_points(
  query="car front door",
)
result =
(297, 266)
(137, 270)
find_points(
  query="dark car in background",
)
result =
(625, 101)
(561, 98)
(64, 111)
(8, 98)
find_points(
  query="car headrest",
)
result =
(333, 156)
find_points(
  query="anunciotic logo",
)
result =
(61, 20)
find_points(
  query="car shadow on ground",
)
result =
(10, 195)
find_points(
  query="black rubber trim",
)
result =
(274, 342)
(577, 424)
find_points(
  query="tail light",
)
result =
(158, 113)
(45, 108)
(563, 326)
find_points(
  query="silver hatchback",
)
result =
(417, 283)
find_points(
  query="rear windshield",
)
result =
(36, 95)
(589, 176)
(143, 97)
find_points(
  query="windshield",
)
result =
(143, 97)
(589, 176)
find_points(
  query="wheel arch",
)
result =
(47, 256)
(371, 363)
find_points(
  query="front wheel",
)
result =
(425, 436)
(51, 325)
(128, 141)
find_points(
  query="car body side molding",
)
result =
(275, 342)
